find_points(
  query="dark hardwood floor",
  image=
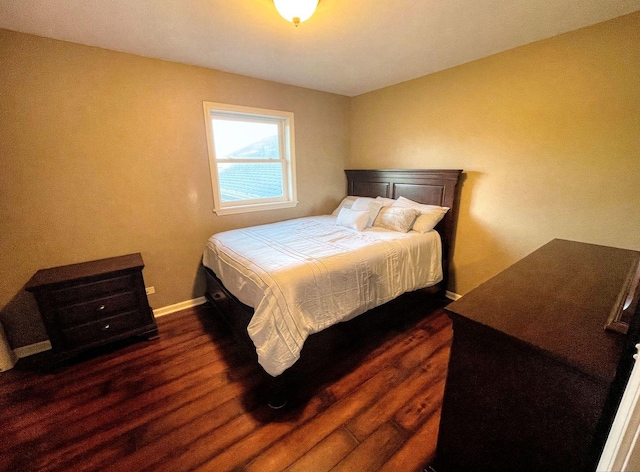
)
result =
(368, 400)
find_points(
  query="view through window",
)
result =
(251, 158)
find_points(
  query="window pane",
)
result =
(243, 139)
(250, 181)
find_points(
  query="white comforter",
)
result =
(304, 275)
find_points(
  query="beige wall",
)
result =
(548, 135)
(104, 153)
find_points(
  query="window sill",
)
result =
(256, 207)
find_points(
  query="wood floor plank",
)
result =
(208, 446)
(387, 405)
(65, 395)
(109, 357)
(290, 448)
(207, 424)
(421, 407)
(64, 433)
(163, 417)
(115, 391)
(383, 357)
(262, 439)
(194, 400)
(216, 404)
(97, 459)
(419, 449)
(327, 453)
(420, 356)
(374, 451)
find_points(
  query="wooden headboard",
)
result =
(431, 187)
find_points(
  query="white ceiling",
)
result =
(348, 47)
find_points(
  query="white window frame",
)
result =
(286, 146)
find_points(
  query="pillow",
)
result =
(396, 219)
(345, 203)
(352, 219)
(386, 201)
(370, 205)
(430, 215)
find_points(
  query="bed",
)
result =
(286, 281)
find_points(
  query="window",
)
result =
(251, 158)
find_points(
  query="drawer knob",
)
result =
(100, 308)
(106, 327)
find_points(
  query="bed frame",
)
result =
(432, 187)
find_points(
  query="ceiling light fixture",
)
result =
(296, 11)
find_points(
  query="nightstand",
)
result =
(93, 303)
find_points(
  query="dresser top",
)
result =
(82, 270)
(558, 299)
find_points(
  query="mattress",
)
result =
(304, 275)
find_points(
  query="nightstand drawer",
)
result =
(102, 330)
(97, 309)
(90, 291)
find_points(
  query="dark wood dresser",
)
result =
(93, 303)
(534, 378)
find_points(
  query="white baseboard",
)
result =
(31, 349)
(452, 295)
(166, 310)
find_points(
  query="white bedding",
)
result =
(304, 275)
